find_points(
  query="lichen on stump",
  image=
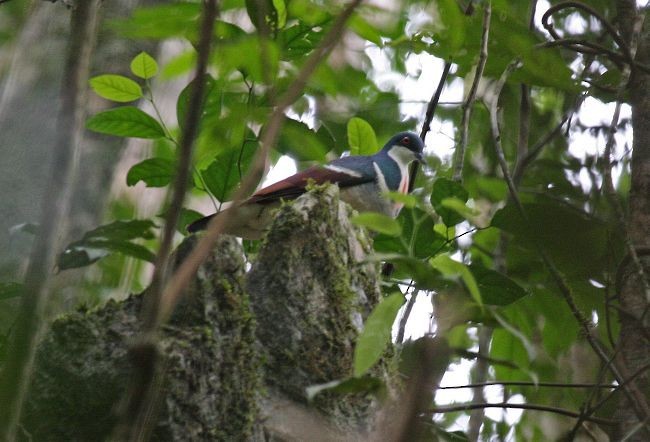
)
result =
(310, 289)
(212, 380)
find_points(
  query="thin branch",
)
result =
(480, 374)
(556, 410)
(31, 312)
(468, 354)
(459, 157)
(591, 11)
(174, 289)
(562, 285)
(619, 387)
(433, 103)
(405, 316)
(529, 384)
(142, 396)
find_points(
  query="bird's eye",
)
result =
(406, 140)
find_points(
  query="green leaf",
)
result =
(451, 25)
(224, 174)
(180, 64)
(262, 14)
(459, 207)
(425, 276)
(378, 222)
(419, 239)
(562, 229)
(361, 137)
(124, 230)
(144, 66)
(126, 121)
(300, 142)
(376, 333)
(281, 12)
(160, 22)
(364, 385)
(187, 217)
(116, 88)
(210, 104)
(10, 290)
(409, 201)
(236, 56)
(496, 288)
(154, 172)
(454, 269)
(445, 188)
(90, 251)
(363, 29)
(107, 239)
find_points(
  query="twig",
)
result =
(556, 410)
(584, 408)
(405, 316)
(31, 312)
(468, 354)
(591, 11)
(528, 384)
(480, 373)
(142, 397)
(459, 157)
(174, 289)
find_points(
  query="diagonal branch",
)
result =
(141, 398)
(174, 289)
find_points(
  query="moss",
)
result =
(309, 299)
(212, 378)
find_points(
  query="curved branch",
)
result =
(591, 11)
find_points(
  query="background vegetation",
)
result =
(529, 241)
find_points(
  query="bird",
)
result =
(363, 181)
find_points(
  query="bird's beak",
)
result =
(419, 158)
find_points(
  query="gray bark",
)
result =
(634, 346)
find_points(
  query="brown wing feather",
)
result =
(295, 185)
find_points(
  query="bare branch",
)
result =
(529, 384)
(591, 11)
(556, 410)
(459, 157)
(141, 398)
(405, 316)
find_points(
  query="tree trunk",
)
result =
(634, 346)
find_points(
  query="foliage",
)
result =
(461, 240)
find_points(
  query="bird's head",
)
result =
(405, 146)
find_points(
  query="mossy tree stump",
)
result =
(234, 369)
